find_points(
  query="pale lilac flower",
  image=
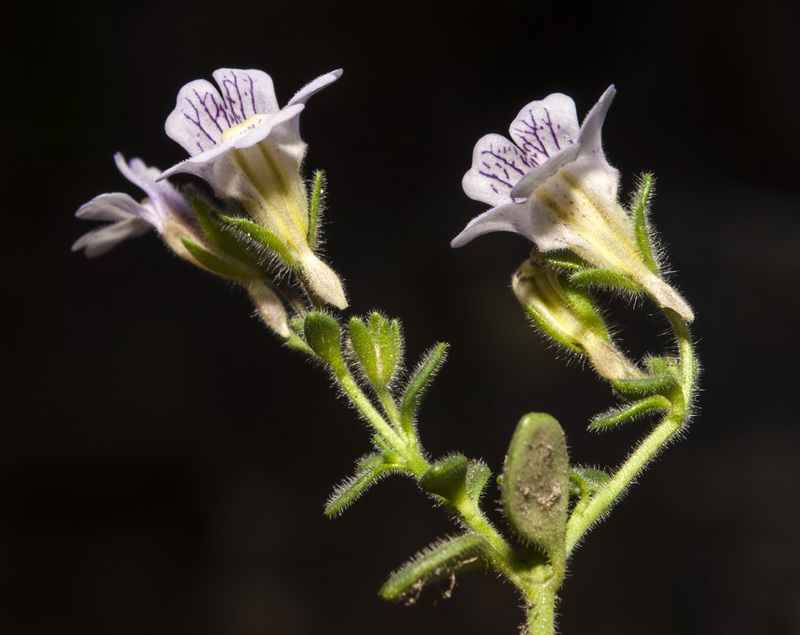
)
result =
(163, 206)
(248, 148)
(554, 186)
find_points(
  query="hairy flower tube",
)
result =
(167, 211)
(554, 186)
(249, 149)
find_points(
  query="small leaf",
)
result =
(324, 336)
(639, 210)
(604, 278)
(437, 561)
(654, 403)
(446, 478)
(563, 260)
(587, 479)
(478, 474)
(370, 470)
(420, 381)
(536, 484)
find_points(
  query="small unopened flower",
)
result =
(568, 315)
(249, 148)
(554, 186)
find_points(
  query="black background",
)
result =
(164, 462)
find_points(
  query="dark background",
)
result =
(164, 462)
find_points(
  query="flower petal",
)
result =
(111, 207)
(99, 241)
(544, 127)
(514, 217)
(313, 87)
(202, 115)
(497, 165)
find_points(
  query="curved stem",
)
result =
(582, 519)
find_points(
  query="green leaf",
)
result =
(370, 470)
(315, 208)
(654, 403)
(536, 484)
(436, 562)
(605, 279)
(478, 474)
(324, 336)
(446, 478)
(640, 207)
(215, 263)
(264, 237)
(420, 381)
(587, 480)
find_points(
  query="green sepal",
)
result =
(638, 388)
(617, 416)
(217, 231)
(435, 562)
(324, 336)
(562, 260)
(447, 478)
(215, 263)
(478, 474)
(378, 347)
(420, 380)
(604, 279)
(640, 206)
(369, 471)
(536, 485)
(585, 306)
(264, 237)
(315, 208)
(587, 480)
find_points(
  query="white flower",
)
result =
(163, 209)
(248, 148)
(554, 186)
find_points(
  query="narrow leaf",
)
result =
(349, 490)
(215, 229)
(315, 205)
(654, 403)
(638, 388)
(639, 209)
(437, 561)
(418, 384)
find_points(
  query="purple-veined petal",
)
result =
(544, 127)
(246, 92)
(497, 166)
(100, 240)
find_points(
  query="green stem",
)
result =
(415, 462)
(582, 519)
(540, 607)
